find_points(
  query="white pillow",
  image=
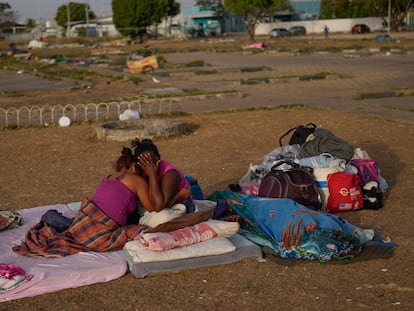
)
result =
(223, 228)
(215, 246)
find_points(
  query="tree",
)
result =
(132, 17)
(7, 16)
(252, 10)
(399, 10)
(367, 8)
(217, 6)
(30, 24)
(173, 8)
(77, 12)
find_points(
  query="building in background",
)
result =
(198, 22)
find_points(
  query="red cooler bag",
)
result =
(345, 193)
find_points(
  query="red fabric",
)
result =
(91, 230)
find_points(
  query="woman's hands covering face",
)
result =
(147, 163)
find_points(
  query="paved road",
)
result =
(348, 78)
(18, 82)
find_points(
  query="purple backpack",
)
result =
(367, 170)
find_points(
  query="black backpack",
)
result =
(299, 136)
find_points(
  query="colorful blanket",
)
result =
(91, 230)
(189, 235)
(292, 230)
(12, 276)
(161, 241)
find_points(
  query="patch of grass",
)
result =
(318, 76)
(116, 78)
(254, 69)
(198, 92)
(191, 92)
(174, 114)
(254, 81)
(195, 63)
(384, 94)
(118, 61)
(399, 109)
(295, 106)
(135, 79)
(12, 94)
(73, 73)
(264, 108)
(332, 49)
(205, 72)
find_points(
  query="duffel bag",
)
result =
(296, 183)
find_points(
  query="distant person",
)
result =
(326, 32)
(169, 190)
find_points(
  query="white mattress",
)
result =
(54, 274)
(243, 249)
(85, 268)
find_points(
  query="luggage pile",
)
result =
(318, 170)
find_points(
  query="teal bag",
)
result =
(196, 191)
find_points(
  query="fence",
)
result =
(48, 114)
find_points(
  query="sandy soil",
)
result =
(40, 166)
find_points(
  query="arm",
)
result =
(139, 185)
(184, 193)
(163, 193)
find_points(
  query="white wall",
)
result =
(316, 26)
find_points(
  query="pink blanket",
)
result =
(161, 241)
(54, 274)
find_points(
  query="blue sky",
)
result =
(44, 10)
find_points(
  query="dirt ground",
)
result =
(41, 166)
(55, 165)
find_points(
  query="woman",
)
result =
(117, 194)
(127, 162)
(101, 222)
(169, 191)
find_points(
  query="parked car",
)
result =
(360, 28)
(297, 30)
(279, 32)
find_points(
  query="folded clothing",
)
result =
(161, 241)
(11, 276)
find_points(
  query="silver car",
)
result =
(279, 32)
(297, 30)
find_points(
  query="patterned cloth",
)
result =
(292, 230)
(91, 230)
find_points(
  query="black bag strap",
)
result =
(309, 124)
(293, 165)
(287, 133)
(284, 161)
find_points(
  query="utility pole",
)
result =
(87, 18)
(68, 20)
(389, 16)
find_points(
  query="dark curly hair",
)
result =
(126, 160)
(145, 145)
